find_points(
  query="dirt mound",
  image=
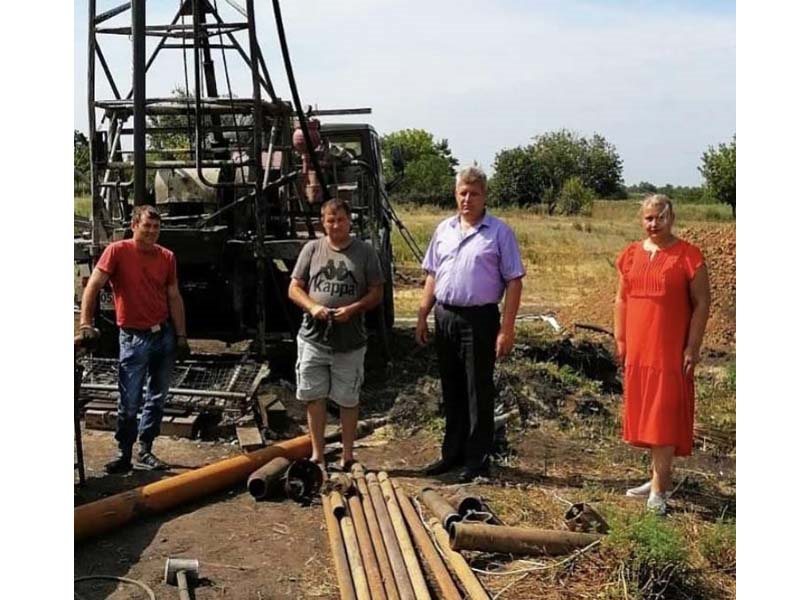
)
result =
(415, 407)
(719, 247)
(718, 244)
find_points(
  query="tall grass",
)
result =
(564, 256)
(83, 206)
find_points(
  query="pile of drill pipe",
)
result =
(107, 514)
(376, 536)
(445, 513)
(465, 535)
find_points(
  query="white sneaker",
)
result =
(640, 491)
(657, 503)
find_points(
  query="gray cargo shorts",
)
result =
(322, 373)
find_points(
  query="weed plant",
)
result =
(652, 552)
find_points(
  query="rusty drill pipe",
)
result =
(473, 588)
(441, 508)
(346, 589)
(467, 505)
(441, 575)
(340, 482)
(377, 539)
(517, 540)
(357, 571)
(464, 502)
(365, 545)
(401, 578)
(266, 481)
(407, 547)
(337, 505)
(109, 513)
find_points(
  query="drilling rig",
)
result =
(238, 176)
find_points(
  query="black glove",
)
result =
(90, 337)
(182, 350)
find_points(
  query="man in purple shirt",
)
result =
(472, 260)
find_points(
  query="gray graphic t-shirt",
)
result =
(337, 278)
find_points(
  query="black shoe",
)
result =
(441, 466)
(150, 462)
(121, 464)
(469, 474)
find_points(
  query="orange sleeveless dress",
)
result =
(658, 397)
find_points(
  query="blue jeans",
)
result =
(144, 357)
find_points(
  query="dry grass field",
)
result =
(566, 257)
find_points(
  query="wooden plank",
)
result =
(249, 438)
(264, 400)
(104, 420)
(184, 427)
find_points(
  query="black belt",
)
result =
(158, 328)
(475, 308)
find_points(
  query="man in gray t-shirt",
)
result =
(335, 281)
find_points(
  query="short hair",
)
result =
(335, 204)
(144, 210)
(472, 174)
(659, 200)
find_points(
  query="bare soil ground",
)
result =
(564, 449)
(718, 244)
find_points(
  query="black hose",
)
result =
(135, 582)
(276, 6)
(408, 238)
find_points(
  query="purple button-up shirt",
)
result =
(472, 268)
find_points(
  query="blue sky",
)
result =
(657, 79)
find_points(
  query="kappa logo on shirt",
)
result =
(334, 280)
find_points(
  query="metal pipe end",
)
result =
(257, 488)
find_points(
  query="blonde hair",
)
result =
(472, 174)
(658, 200)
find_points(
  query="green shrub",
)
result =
(653, 553)
(731, 376)
(718, 544)
(575, 198)
(649, 538)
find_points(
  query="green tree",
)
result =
(718, 167)
(185, 139)
(556, 156)
(575, 198)
(600, 166)
(81, 164)
(537, 173)
(643, 187)
(429, 166)
(515, 178)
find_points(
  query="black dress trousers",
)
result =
(465, 345)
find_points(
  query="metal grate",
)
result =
(220, 385)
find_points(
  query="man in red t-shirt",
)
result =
(152, 329)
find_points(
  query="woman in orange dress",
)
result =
(661, 312)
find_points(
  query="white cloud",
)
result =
(659, 85)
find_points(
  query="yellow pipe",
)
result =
(109, 513)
